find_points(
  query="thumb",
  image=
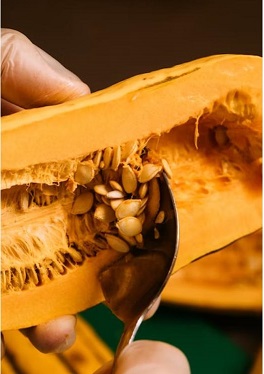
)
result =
(32, 78)
(149, 357)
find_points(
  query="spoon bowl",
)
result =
(133, 283)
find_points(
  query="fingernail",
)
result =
(54, 336)
(68, 335)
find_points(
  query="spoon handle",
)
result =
(128, 335)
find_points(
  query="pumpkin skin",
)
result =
(204, 117)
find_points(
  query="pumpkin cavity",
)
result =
(48, 230)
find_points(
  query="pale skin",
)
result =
(31, 78)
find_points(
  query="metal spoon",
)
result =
(132, 284)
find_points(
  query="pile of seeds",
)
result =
(117, 198)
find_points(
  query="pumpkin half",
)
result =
(66, 169)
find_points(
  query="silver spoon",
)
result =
(133, 283)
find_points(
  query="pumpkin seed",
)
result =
(129, 239)
(128, 208)
(160, 217)
(141, 217)
(83, 203)
(129, 179)
(156, 233)
(148, 172)
(129, 226)
(115, 203)
(166, 168)
(102, 164)
(105, 200)
(115, 185)
(143, 190)
(107, 157)
(117, 243)
(116, 158)
(101, 189)
(129, 149)
(84, 173)
(153, 203)
(104, 213)
(97, 159)
(115, 194)
(143, 205)
(139, 238)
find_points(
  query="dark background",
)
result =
(104, 42)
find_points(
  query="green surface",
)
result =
(207, 348)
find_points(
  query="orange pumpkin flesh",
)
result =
(229, 280)
(203, 117)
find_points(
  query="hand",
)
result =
(32, 78)
(149, 357)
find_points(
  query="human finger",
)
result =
(31, 77)
(54, 336)
(149, 357)
(9, 108)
